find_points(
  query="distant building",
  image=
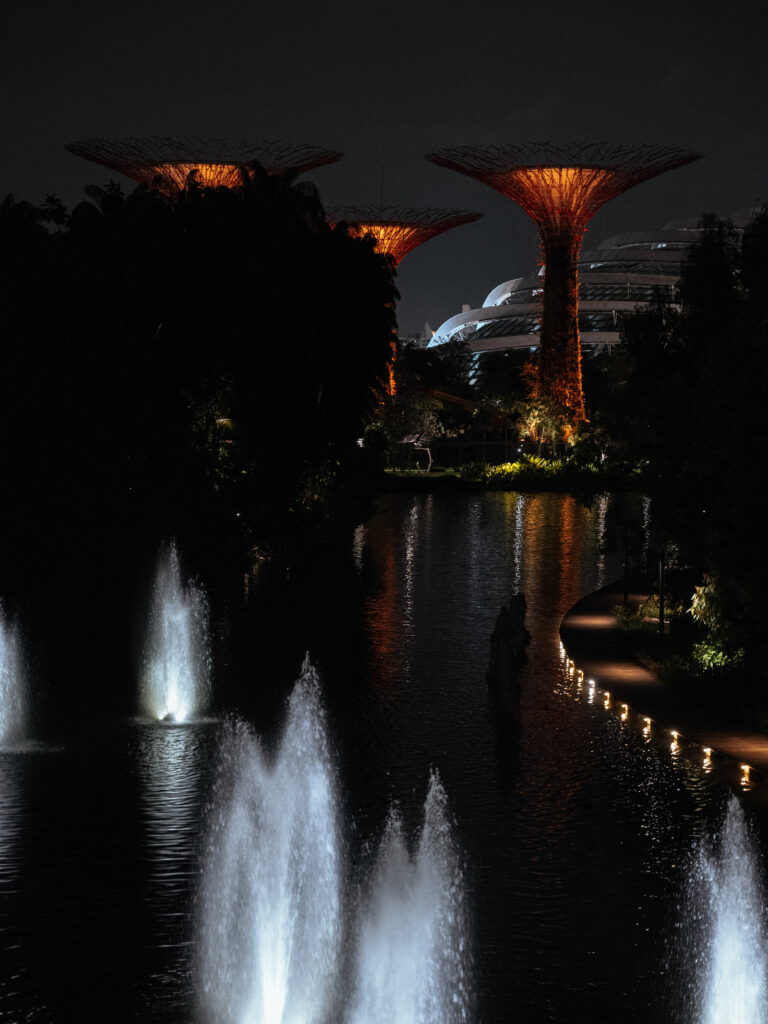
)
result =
(561, 187)
(614, 279)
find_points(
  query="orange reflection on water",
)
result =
(383, 612)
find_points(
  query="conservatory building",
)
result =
(619, 276)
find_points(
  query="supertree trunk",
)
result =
(561, 187)
(560, 347)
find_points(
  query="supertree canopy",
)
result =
(561, 187)
(398, 231)
(166, 164)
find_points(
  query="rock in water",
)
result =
(508, 642)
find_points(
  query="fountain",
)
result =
(726, 929)
(411, 962)
(272, 898)
(12, 710)
(175, 683)
(270, 904)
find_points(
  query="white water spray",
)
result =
(731, 958)
(270, 907)
(411, 958)
(176, 674)
(12, 689)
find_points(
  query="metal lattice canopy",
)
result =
(562, 185)
(167, 163)
(398, 231)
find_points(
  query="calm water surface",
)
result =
(575, 831)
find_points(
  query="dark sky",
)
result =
(389, 81)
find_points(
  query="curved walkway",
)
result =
(596, 645)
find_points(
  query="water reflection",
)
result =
(603, 503)
(10, 826)
(518, 541)
(12, 966)
(358, 545)
(172, 763)
(384, 604)
(411, 539)
(689, 757)
(574, 825)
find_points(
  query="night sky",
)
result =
(387, 82)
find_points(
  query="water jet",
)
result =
(411, 963)
(725, 928)
(12, 688)
(270, 905)
(176, 671)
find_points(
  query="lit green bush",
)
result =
(532, 472)
(709, 656)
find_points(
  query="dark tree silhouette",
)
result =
(689, 402)
(198, 365)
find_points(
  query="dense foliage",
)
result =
(688, 401)
(199, 366)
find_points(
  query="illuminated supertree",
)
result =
(166, 164)
(397, 232)
(561, 187)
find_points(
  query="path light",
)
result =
(647, 728)
(581, 676)
(745, 776)
(607, 701)
(674, 745)
(707, 765)
(624, 712)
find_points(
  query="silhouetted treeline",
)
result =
(687, 400)
(198, 366)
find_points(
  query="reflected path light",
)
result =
(726, 916)
(176, 672)
(411, 959)
(12, 695)
(270, 911)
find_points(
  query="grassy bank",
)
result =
(530, 473)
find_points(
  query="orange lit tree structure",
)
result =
(166, 164)
(397, 231)
(561, 187)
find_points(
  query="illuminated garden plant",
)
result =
(166, 163)
(561, 187)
